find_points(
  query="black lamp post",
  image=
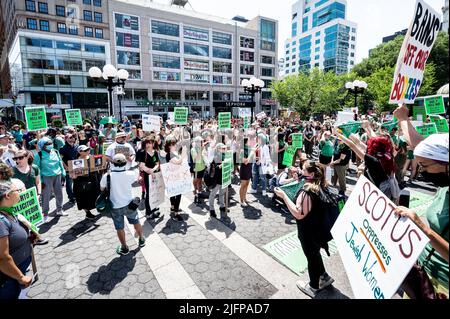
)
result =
(356, 87)
(252, 86)
(109, 74)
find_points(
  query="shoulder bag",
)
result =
(103, 203)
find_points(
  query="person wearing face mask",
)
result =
(52, 173)
(121, 146)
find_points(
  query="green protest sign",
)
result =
(419, 113)
(390, 125)
(434, 105)
(288, 156)
(73, 117)
(181, 115)
(28, 206)
(297, 141)
(227, 166)
(349, 128)
(224, 120)
(246, 122)
(36, 118)
(441, 123)
(105, 147)
(427, 129)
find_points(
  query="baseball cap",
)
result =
(82, 148)
(119, 159)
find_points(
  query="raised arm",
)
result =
(413, 138)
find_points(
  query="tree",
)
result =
(439, 57)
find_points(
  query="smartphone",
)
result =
(404, 198)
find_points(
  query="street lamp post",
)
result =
(109, 74)
(204, 98)
(356, 87)
(252, 86)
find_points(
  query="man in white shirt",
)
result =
(10, 150)
(121, 147)
(121, 194)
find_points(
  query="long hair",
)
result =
(381, 149)
(318, 181)
(170, 140)
(148, 140)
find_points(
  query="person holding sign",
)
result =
(174, 157)
(120, 146)
(216, 166)
(260, 165)
(15, 245)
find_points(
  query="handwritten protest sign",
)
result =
(98, 163)
(181, 115)
(151, 123)
(156, 190)
(349, 128)
(36, 118)
(377, 247)
(245, 112)
(28, 206)
(261, 116)
(246, 123)
(73, 117)
(297, 141)
(288, 156)
(227, 166)
(434, 105)
(177, 179)
(427, 129)
(414, 53)
(441, 123)
(224, 120)
(78, 167)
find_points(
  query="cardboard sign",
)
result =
(377, 247)
(151, 123)
(181, 115)
(434, 105)
(122, 150)
(441, 123)
(227, 167)
(349, 128)
(36, 118)
(28, 206)
(78, 167)
(414, 53)
(427, 129)
(98, 163)
(288, 156)
(344, 117)
(177, 179)
(297, 141)
(73, 117)
(156, 190)
(224, 120)
(261, 116)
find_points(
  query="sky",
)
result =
(375, 18)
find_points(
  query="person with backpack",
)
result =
(309, 208)
(52, 173)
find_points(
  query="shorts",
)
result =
(199, 174)
(118, 215)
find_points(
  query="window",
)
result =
(222, 96)
(89, 2)
(35, 79)
(94, 48)
(71, 13)
(167, 62)
(196, 34)
(196, 49)
(99, 33)
(128, 58)
(88, 32)
(222, 53)
(317, 57)
(166, 76)
(49, 79)
(30, 6)
(127, 22)
(267, 59)
(140, 94)
(220, 79)
(317, 41)
(352, 55)
(64, 80)
(247, 43)
(354, 30)
(32, 24)
(267, 72)
(43, 7)
(98, 3)
(39, 43)
(69, 65)
(222, 67)
(353, 38)
(87, 15)
(247, 69)
(68, 46)
(317, 49)
(247, 56)
(221, 38)
(165, 45)
(127, 40)
(98, 17)
(44, 24)
(92, 63)
(73, 29)
(60, 11)
(165, 28)
(61, 27)
(352, 46)
(317, 33)
(352, 62)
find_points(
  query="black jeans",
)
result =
(175, 202)
(148, 209)
(316, 267)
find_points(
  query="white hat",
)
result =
(119, 159)
(120, 134)
(82, 148)
(434, 147)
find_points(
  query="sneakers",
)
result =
(252, 191)
(153, 215)
(61, 213)
(307, 289)
(72, 200)
(264, 193)
(141, 242)
(41, 242)
(122, 250)
(325, 281)
(177, 218)
(243, 204)
(46, 219)
(89, 215)
(213, 214)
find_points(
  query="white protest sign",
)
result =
(172, 116)
(378, 248)
(155, 190)
(177, 179)
(151, 123)
(261, 116)
(245, 112)
(416, 49)
(344, 118)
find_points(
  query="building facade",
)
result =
(178, 57)
(445, 26)
(321, 37)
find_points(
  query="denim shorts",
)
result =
(118, 215)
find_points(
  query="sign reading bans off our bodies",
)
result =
(377, 247)
(414, 54)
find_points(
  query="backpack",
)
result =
(210, 176)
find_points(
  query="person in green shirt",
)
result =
(326, 149)
(197, 154)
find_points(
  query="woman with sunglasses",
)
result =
(28, 174)
(86, 187)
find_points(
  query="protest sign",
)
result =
(224, 120)
(419, 113)
(261, 116)
(427, 129)
(297, 141)
(36, 118)
(151, 123)
(105, 146)
(227, 166)
(28, 206)
(345, 117)
(349, 128)
(246, 123)
(78, 167)
(177, 179)
(245, 112)
(98, 163)
(441, 123)
(181, 115)
(389, 126)
(73, 117)
(377, 247)
(434, 105)
(416, 48)
(156, 190)
(288, 156)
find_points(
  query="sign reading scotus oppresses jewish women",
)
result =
(414, 54)
(377, 247)
(177, 179)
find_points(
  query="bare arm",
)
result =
(7, 265)
(413, 138)
(359, 151)
(299, 210)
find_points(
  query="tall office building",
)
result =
(322, 37)
(445, 26)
